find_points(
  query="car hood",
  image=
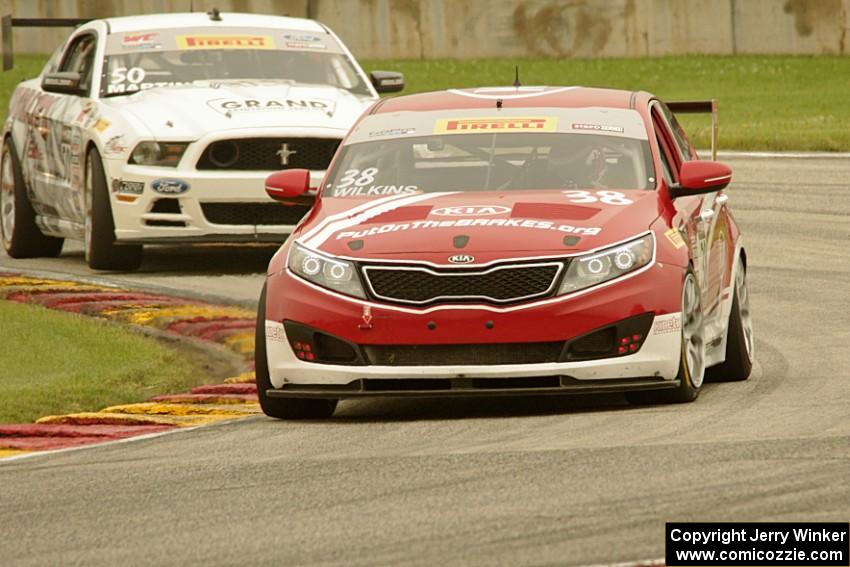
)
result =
(486, 226)
(190, 111)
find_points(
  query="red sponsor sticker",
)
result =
(137, 38)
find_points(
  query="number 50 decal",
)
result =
(134, 75)
(607, 197)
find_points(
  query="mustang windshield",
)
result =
(490, 162)
(143, 60)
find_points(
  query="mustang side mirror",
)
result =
(387, 81)
(701, 176)
(66, 82)
(288, 185)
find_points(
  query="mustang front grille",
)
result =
(268, 154)
(501, 284)
(253, 213)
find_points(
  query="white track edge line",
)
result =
(177, 429)
(705, 154)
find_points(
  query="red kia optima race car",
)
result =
(506, 241)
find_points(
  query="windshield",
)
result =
(500, 149)
(143, 60)
(491, 162)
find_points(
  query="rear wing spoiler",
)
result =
(699, 107)
(7, 22)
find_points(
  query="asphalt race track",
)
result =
(565, 481)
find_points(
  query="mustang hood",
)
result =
(487, 226)
(193, 110)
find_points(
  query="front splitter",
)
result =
(467, 387)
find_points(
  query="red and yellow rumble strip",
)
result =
(230, 327)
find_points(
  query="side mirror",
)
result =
(387, 81)
(701, 176)
(66, 82)
(288, 185)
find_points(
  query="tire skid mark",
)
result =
(229, 327)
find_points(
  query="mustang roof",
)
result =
(511, 97)
(202, 20)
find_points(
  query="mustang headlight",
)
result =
(331, 273)
(593, 269)
(165, 154)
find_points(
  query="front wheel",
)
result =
(281, 408)
(21, 236)
(102, 252)
(692, 352)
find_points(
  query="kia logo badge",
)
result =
(461, 259)
(471, 211)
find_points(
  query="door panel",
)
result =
(707, 220)
(688, 208)
(710, 228)
(55, 137)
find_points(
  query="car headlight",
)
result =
(331, 273)
(165, 154)
(592, 269)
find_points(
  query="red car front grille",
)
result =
(502, 284)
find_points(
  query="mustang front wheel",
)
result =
(102, 252)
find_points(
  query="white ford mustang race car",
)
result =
(163, 128)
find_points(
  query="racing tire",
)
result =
(102, 252)
(20, 234)
(739, 336)
(692, 358)
(281, 408)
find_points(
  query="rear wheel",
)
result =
(739, 335)
(102, 252)
(692, 357)
(21, 236)
(281, 408)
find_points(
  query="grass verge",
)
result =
(766, 102)
(55, 363)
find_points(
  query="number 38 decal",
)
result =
(607, 197)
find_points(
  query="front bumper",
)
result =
(655, 365)
(142, 218)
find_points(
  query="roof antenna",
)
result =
(517, 84)
(214, 15)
